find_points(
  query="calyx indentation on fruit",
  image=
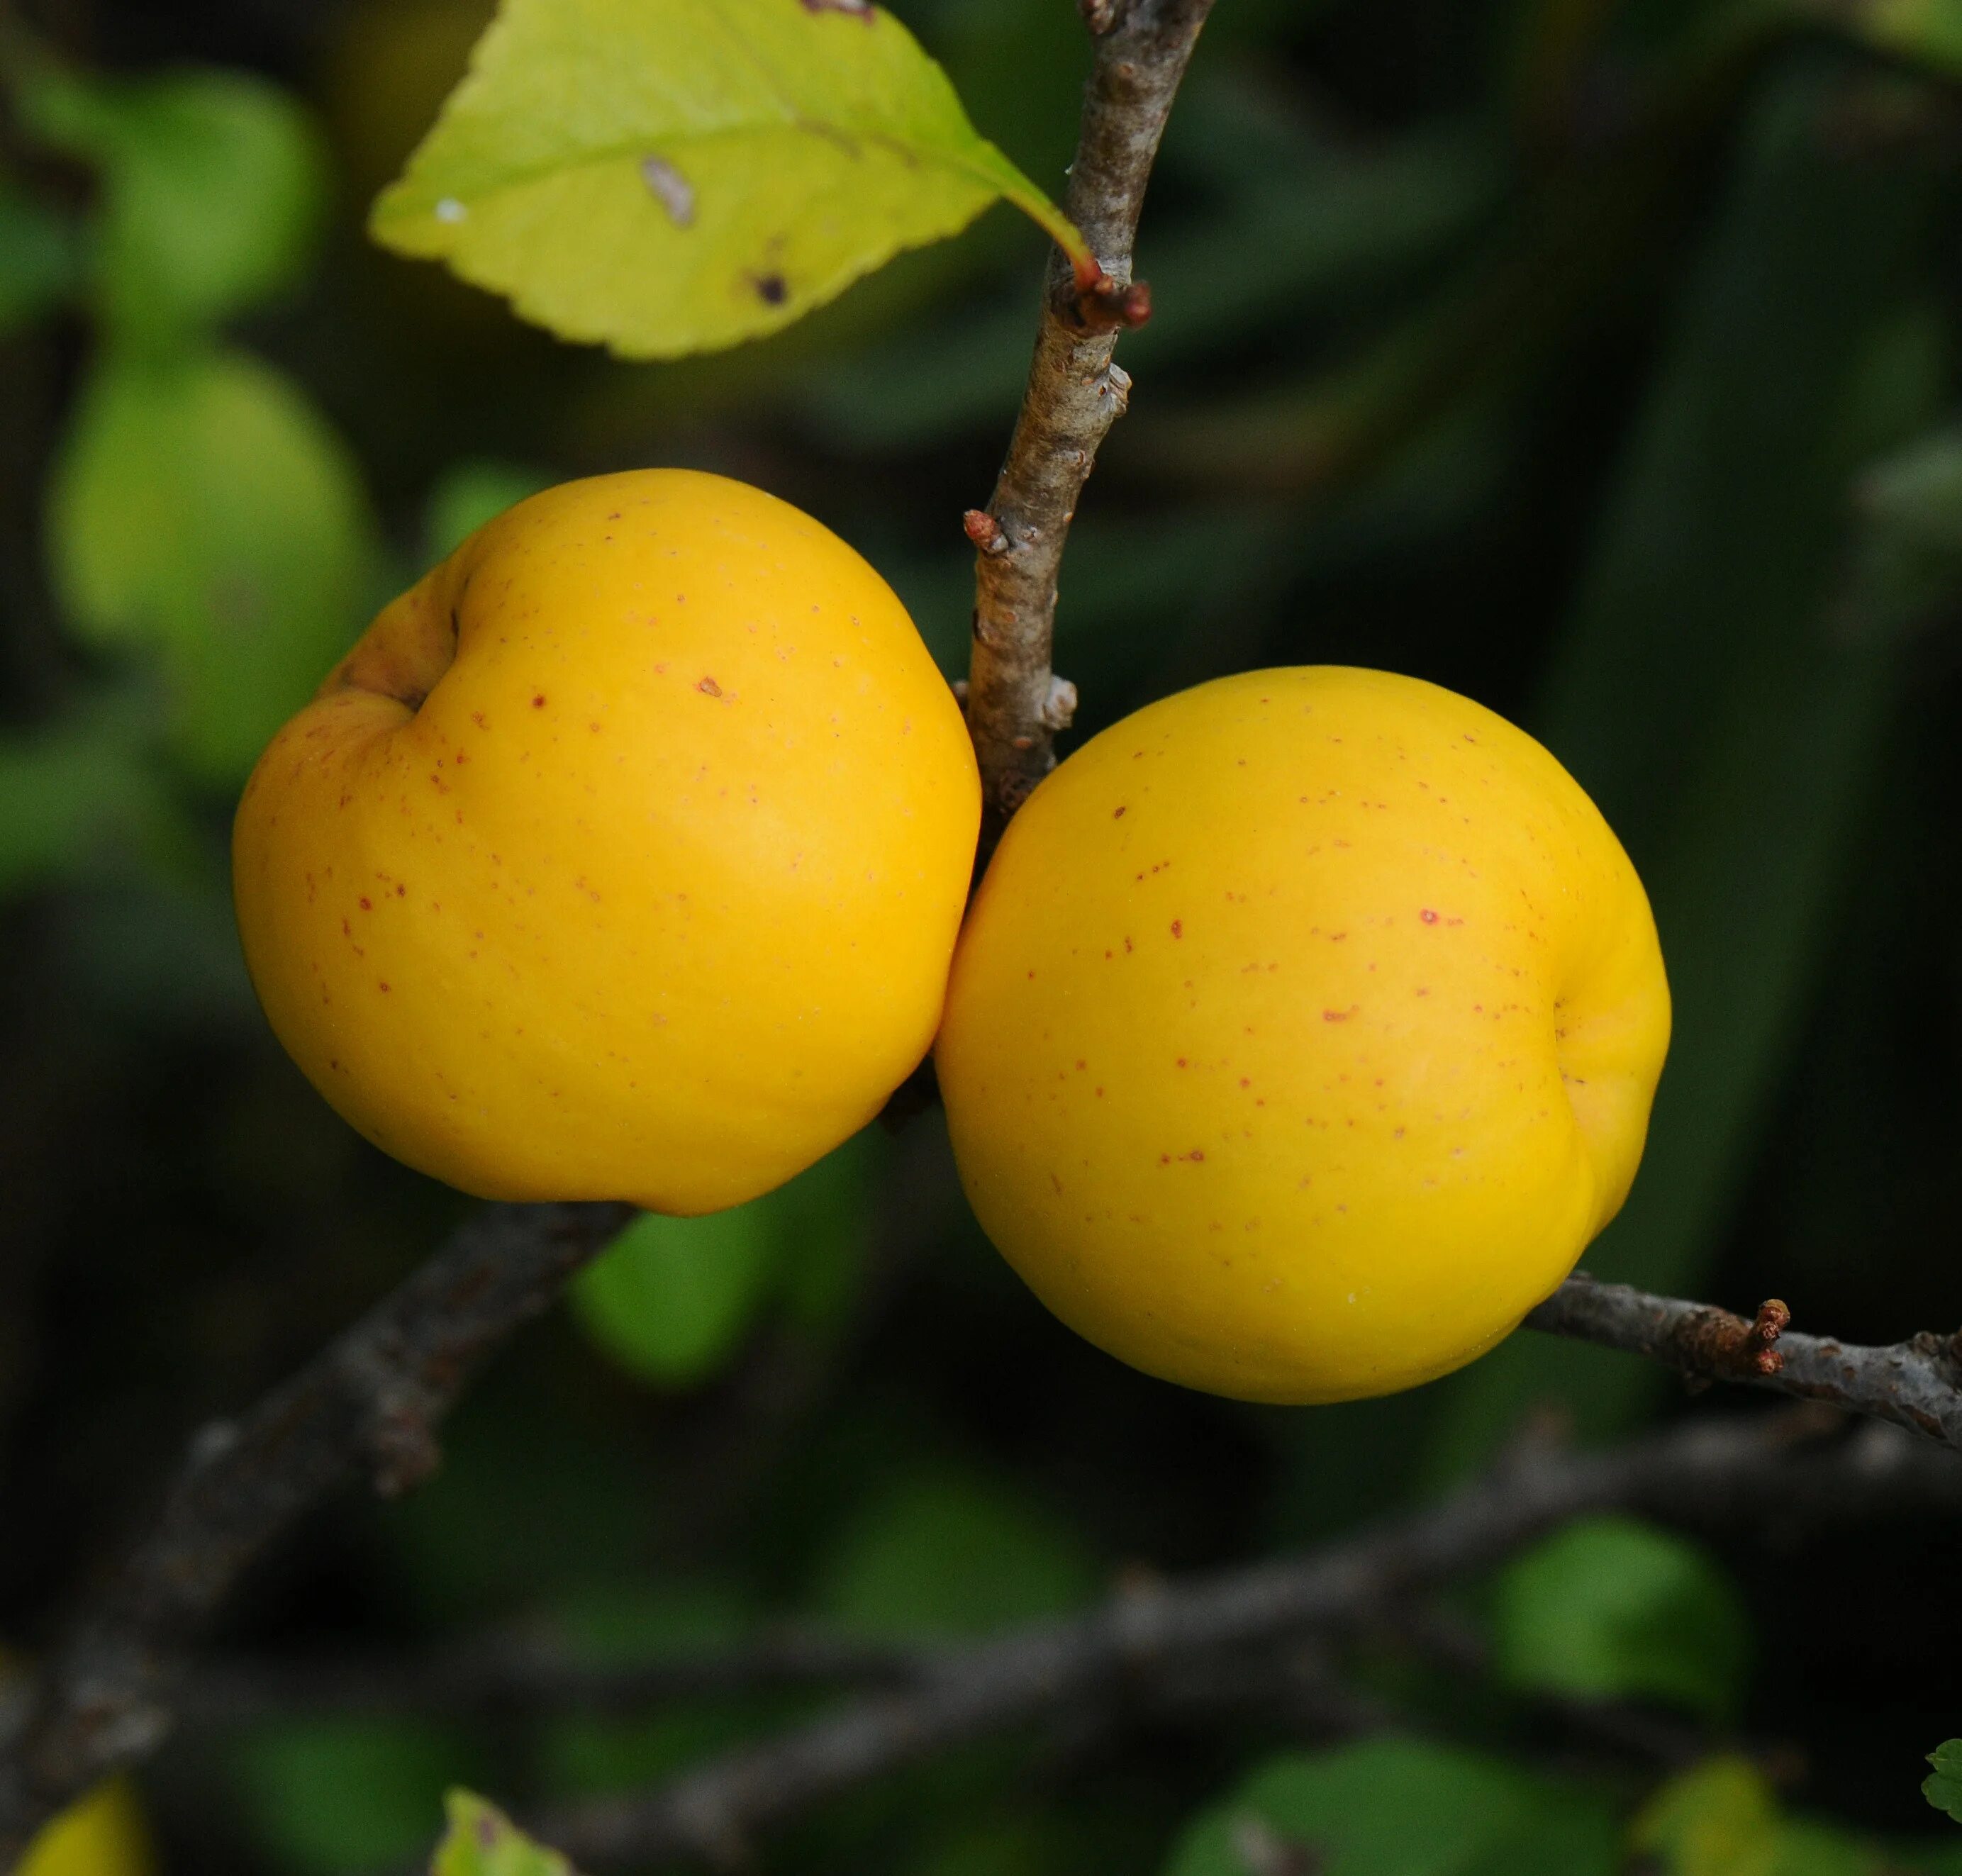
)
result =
(411, 643)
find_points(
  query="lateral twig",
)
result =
(1916, 1384)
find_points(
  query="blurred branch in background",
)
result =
(1671, 280)
(373, 1399)
(1725, 1474)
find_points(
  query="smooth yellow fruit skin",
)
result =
(622, 858)
(1302, 1033)
(102, 1835)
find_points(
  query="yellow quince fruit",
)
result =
(1302, 1034)
(623, 856)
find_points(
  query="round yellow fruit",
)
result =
(104, 1834)
(1302, 1034)
(623, 856)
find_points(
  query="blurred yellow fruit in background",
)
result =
(623, 856)
(103, 1835)
(1302, 1034)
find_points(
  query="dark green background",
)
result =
(1596, 359)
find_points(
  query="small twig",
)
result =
(1724, 1472)
(371, 1400)
(1916, 1384)
(1075, 393)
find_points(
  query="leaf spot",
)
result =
(671, 188)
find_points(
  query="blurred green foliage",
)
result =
(1595, 357)
(212, 186)
(674, 1298)
(1612, 1608)
(1401, 1807)
(327, 1796)
(204, 513)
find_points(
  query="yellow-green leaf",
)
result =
(674, 176)
(481, 1841)
(1718, 1819)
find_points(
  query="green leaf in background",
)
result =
(1720, 1819)
(213, 190)
(1942, 1788)
(952, 1553)
(674, 176)
(1909, 557)
(481, 1841)
(1400, 1807)
(1612, 1608)
(204, 512)
(469, 494)
(674, 1298)
(326, 1797)
(644, 1620)
(1708, 696)
(38, 258)
(80, 795)
(1928, 32)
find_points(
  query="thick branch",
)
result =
(371, 1400)
(1723, 1473)
(1916, 1384)
(1015, 704)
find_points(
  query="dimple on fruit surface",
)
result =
(623, 856)
(1302, 1034)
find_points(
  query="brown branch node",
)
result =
(984, 531)
(1103, 305)
(1724, 1346)
(1916, 1383)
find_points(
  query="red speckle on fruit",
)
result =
(1178, 928)
(367, 906)
(538, 701)
(1428, 916)
(709, 688)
